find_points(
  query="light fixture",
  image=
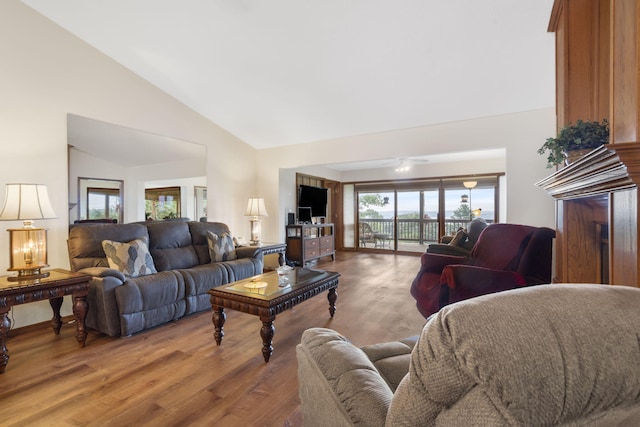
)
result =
(470, 185)
(403, 166)
(256, 209)
(27, 202)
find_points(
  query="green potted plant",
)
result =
(582, 136)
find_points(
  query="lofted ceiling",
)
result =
(283, 72)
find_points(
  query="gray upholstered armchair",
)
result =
(545, 355)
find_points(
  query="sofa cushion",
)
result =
(199, 238)
(170, 245)
(131, 258)
(198, 280)
(85, 242)
(147, 301)
(221, 247)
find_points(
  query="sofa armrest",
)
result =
(339, 385)
(391, 359)
(248, 252)
(103, 272)
(465, 281)
(444, 249)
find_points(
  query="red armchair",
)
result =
(506, 256)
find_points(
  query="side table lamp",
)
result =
(256, 209)
(26, 202)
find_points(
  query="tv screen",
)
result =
(315, 198)
(304, 214)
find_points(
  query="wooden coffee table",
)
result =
(262, 296)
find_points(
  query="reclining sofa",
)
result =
(561, 355)
(176, 284)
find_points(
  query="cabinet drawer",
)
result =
(326, 243)
(310, 244)
(312, 253)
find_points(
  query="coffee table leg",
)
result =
(5, 326)
(219, 317)
(80, 314)
(56, 321)
(266, 332)
(332, 297)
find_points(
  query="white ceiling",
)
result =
(283, 72)
(129, 147)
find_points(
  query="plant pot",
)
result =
(574, 155)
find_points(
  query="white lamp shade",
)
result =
(255, 207)
(470, 184)
(26, 202)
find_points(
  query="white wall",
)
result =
(519, 134)
(47, 73)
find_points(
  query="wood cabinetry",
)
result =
(597, 205)
(306, 242)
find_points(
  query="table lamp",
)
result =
(256, 209)
(27, 202)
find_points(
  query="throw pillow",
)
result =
(459, 238)
(221, 247)
(131, 258)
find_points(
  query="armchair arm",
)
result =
(466, 281)
(426, 285)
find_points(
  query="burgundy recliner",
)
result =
(506, 256)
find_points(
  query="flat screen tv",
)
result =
(315, 198)
(304, 214)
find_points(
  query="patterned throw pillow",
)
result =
(131, 258)
(459, 238)
(221, 247)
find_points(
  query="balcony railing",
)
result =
(423, 231)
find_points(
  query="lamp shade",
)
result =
(255, 207)
(470, 184)
(26, 202)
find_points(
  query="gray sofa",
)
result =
(563, 355)
(121, 306)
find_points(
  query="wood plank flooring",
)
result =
(175, 375)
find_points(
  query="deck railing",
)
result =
(416, 230)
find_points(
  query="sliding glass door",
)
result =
(408, 216)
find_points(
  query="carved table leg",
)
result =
(332, 297)
(219, 317)
(281, 258)
(266, 332)
(80, 307)
(56, 321)
(5, 326)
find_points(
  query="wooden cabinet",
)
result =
(598, 76)
(306, 242)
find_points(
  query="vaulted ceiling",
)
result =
(283, 72)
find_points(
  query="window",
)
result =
(103, 203)
(409, 215)
(162, 203)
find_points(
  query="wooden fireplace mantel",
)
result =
(610, 168)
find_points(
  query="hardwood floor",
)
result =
(175, 375)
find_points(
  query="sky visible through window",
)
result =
(482, 198)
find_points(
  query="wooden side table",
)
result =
(59, 283)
